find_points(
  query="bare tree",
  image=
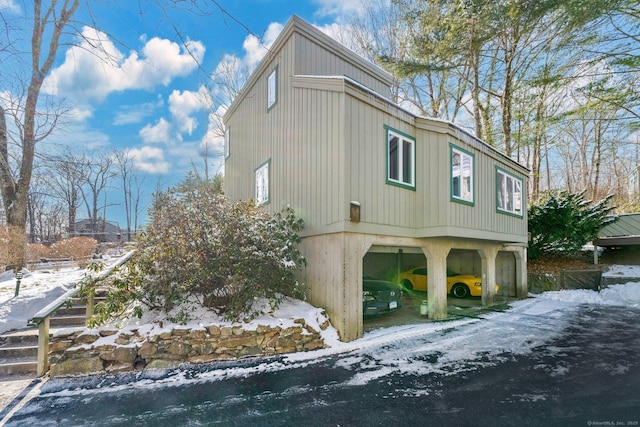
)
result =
(406, 45)
(46, 212)
(131, 188)
(227, 80)
(66, 176)
(30, 124)
(98, 173)
(590, 140)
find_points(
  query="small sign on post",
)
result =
(18, 280)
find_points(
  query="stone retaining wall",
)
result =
(111, 350)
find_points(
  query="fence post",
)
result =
(43, 347)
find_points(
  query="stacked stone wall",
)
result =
(90, 351)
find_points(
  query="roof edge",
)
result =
(441, 122)
(297, 24)
(445, 125)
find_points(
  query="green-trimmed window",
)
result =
(272, 88)
(262, 179)
(401, 158)
(509, 193)
(462, 164)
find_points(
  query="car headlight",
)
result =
(367, 298)
(477, 284)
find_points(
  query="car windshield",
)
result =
(378, 285)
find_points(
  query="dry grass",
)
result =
(558, 263)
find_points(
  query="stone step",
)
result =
(18, 366)
(72, 320)
(19, 349)
(11, 351)
(19, 337)
(26, 336)
(19, 352)
(78, 300)
(76, 310)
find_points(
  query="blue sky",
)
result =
(145, 91)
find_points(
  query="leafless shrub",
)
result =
(11, 238)
(78, 249)
(35, 253)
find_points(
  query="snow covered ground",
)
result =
(37, 290)
(443, 348)
(526, 325)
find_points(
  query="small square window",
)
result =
(461, 175)
(272, 88)
(401, 154)
(262, 184)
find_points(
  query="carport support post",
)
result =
(522, 286)
(436, 254)
(488, 258)
(355, 248)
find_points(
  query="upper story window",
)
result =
(262, 184)
(401, 159)
(509, 193)
(226, 142)
(461, 175)
(272, 88)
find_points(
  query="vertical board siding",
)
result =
(365, 135)
(316, 118)
(316, 60)
(482, 215)
(328, 147)
(430, 205)
(301, 135)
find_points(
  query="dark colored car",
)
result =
(380, 297)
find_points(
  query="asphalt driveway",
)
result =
(589, 374)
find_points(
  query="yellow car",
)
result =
(458, 285)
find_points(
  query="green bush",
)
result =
(563, 222)
(201, 246)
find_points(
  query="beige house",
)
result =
(377, 186)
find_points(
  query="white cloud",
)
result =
(158, 133)
(213, 138)
(79, 115)
(231, 72)
(255, 50)
(183, 105)
(96, 67)
(212, 143)
(10, 6)
(136, 113)
(339, 7)
(149, 159)
(166, 59)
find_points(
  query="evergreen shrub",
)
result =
(205, 248)
(563, 222)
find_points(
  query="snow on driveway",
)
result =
(444, 348)
(449, 346)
